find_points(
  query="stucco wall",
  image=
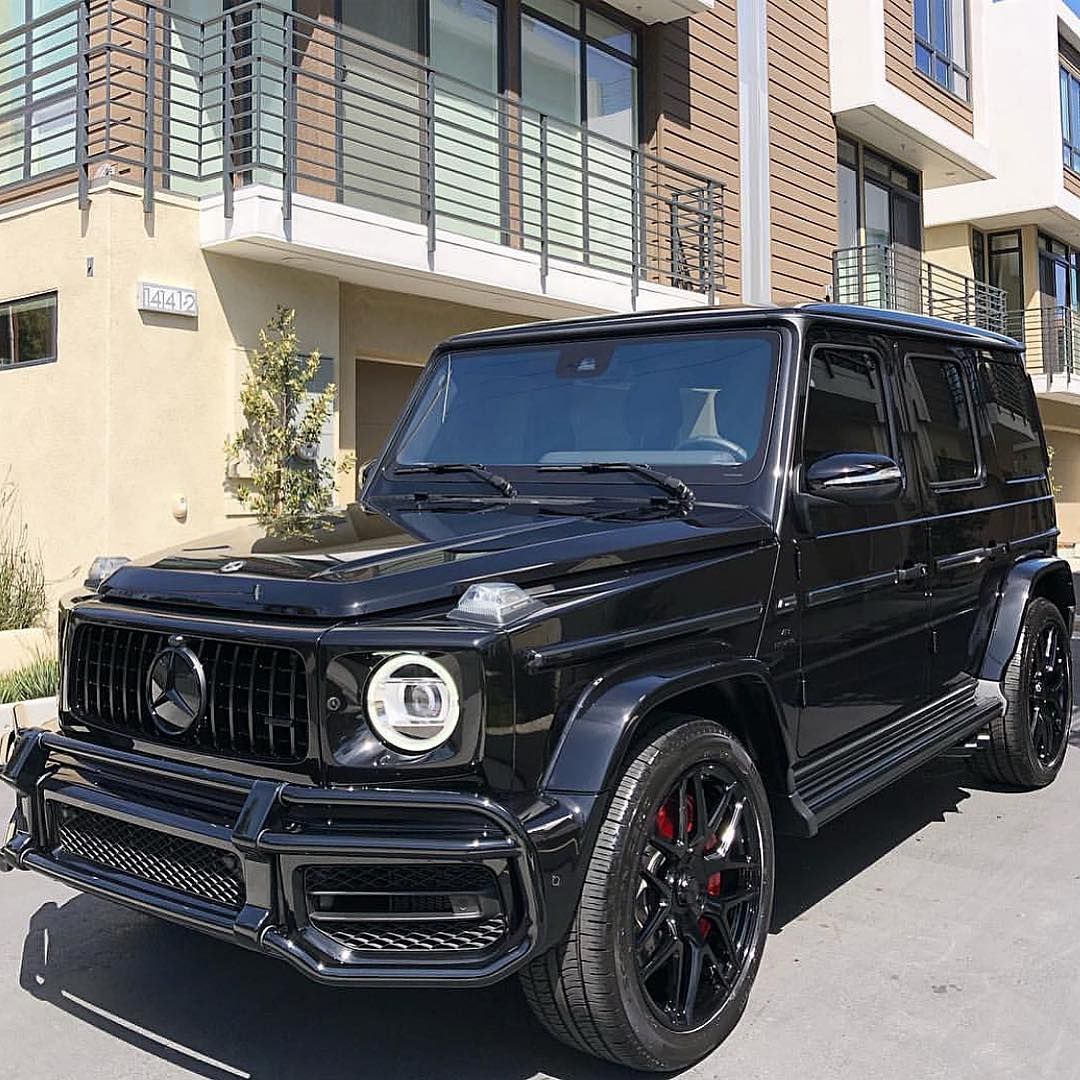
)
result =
(949, 246)
(1062, 423)
(136, 409)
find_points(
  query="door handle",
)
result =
(906, 574)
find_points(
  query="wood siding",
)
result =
(692, 111)
(900, 69)
(802, 150)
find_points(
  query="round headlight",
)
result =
(412, 703)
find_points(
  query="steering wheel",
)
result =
(714, 442)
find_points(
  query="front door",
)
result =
(863, 595)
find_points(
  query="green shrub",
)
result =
(23, 599)
(40, 678)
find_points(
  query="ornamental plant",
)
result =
(287, 483)
(38, 679)
(23, 597)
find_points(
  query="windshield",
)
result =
(675, 400)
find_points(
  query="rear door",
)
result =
(938, 395)
(977, 440)
(863, 596)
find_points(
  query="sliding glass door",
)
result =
(579, 71)
(464, 50)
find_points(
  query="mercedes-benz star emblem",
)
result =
(176, 688)
(232, 567)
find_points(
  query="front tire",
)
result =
(668, 935)
(1028, 741)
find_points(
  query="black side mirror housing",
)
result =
(854, 478)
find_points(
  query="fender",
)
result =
(606, 717)
(602, 725)
(1023, 581)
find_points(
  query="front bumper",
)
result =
(232, 857)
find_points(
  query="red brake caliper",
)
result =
(667, 817)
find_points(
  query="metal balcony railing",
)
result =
(1051, 337)
(264, 95)
(883, 276)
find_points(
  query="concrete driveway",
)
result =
(932, 932)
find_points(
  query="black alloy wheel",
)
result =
(699, 895)
(658, 963)
(1048, 692)
(1029, 739)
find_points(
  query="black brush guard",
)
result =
(230, 856)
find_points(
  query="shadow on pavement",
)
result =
(808, 871)
(221, 1012)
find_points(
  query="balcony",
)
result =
(299, 139)
(884, 276)
(1051, 337)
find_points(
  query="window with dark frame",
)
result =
(28, 331)
(579, 61)
(941, 44)
(581, 66)
(1013, 416)
(941, 411)
(846, 411)
(978, 256)
(1005, 267)
(1070, 118)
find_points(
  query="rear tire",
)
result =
(1028, 742)
(669, 931)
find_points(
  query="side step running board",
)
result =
(835, 780)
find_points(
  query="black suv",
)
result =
(621, 598)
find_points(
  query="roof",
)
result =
(713, 316)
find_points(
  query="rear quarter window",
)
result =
(941, 415)
(1012, 415)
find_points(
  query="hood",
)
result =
(359, 562)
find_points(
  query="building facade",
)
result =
(401, 170)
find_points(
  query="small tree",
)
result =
(283, 423)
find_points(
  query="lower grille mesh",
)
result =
(406, 908)
(183, 865)
(419, 936)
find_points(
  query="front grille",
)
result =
(257, 702)
(159, 858)
(408, 908)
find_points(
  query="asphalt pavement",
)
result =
(932, 932)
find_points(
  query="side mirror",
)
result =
(854, 478)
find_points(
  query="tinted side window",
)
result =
(1010, 411)
(941, 414)
(846, 411)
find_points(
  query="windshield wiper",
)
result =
(682, 492)
(494, 479)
